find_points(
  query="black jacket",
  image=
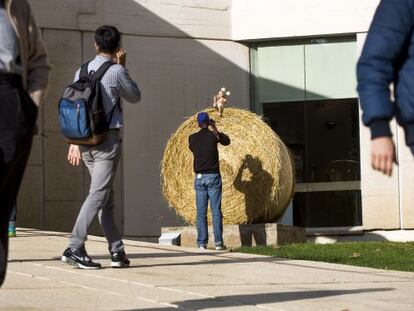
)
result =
(203, 145)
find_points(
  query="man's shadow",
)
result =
(256, 185)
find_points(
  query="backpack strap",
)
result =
(84, 71)
(111, 114)
(97, 76)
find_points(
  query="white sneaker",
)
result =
(202, 247)
(220, 247)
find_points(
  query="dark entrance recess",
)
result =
(323, 137)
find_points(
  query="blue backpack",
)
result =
(81, 113)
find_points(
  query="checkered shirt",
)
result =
(117, 84)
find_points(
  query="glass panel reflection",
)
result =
(333, 141)
(288, 121)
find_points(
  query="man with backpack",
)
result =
(102, 159)
(24, 76)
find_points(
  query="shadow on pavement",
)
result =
(257, 299)
(218, 258)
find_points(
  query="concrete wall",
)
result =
(179, 58)
(174, 18)
(267, 19)
(406, 183)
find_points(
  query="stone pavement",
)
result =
(173, 278)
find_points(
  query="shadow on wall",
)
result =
(251, 235)
(178, 76)
(248, 186)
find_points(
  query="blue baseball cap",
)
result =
(203, 117)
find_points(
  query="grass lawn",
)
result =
(383, 255)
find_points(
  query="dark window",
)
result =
(327, 209)
(289, 122)
(323, 137)
(332, 140)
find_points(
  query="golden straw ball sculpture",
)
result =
(256, 168)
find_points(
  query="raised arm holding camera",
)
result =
(222, 138)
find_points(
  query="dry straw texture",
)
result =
(257, 170)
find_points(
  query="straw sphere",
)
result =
(256, 168)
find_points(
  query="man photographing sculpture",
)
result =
(208, 184)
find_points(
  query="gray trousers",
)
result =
(102, 162)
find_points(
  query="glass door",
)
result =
(306, 91)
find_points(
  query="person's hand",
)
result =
(120, 56)
(213, 124)
(383, 154)
(74, 156)
(214, 129)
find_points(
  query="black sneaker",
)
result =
(119, 260)
(78, 257)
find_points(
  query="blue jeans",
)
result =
(208, 186)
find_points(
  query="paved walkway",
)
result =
(172, 278)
